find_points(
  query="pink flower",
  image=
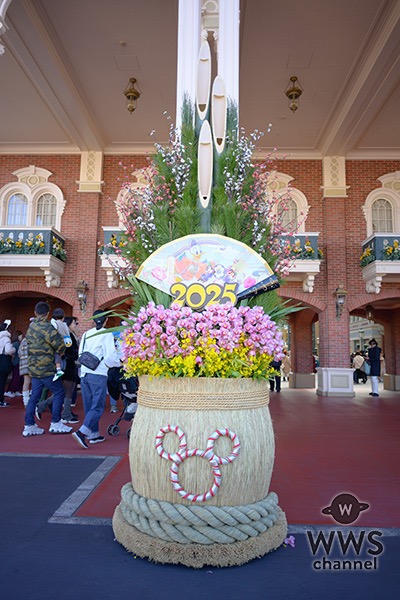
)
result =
(290, 541)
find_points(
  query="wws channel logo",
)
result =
(345, 549)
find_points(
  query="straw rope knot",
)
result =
(198, 524)
(183, 453)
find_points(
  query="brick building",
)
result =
(352, 202)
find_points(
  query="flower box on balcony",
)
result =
(303, 246)
(380, 258)
(27, 251)
(302, 249)
(28, 240)
(111, 261)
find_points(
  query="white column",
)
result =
(188, 50)
(4, 4)
(228, 47)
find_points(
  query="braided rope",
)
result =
(214, 401)
(183, 453)
(198, 524)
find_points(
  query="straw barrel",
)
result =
(201, 457)
(198, 407)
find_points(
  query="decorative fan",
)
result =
(212, 263)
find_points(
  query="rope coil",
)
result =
(198, 524)
(190, 401)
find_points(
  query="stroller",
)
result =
(128, 389)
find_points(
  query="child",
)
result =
(57, 321)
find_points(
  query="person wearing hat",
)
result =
(99, 343)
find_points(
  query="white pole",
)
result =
(228, 47)
(189, 33)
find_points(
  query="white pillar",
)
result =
(228, 47)
(189, 18)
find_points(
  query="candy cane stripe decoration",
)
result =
(183, 453)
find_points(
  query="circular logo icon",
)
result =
(345, 509)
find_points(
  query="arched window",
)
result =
(46, 210)
(289, 211)
(32, 201)
(17, 210)
(292, 209)
(135, 190)
(382, 206)
(382, 216)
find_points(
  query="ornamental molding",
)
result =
(112, 263)
(304, 271)
(23, 265)
(388, 192)
(334, 177)
(210, 21)
(91, 172)
(391, 181)
(278, 184)
(32, 175)
(33, 182)
(374, 273)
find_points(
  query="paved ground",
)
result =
(52, 546)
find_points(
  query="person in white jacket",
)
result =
(7, 350)
(94, 382)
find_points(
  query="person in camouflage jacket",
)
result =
(43, 341)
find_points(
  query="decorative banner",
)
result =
(203, 269)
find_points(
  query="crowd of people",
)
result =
(45, 366)
(44, 369)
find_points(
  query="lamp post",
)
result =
(340, 299)
(81, 289)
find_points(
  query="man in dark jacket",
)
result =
(374, 357)
(276, 379)
(43, 342)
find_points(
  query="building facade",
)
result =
(57, 210)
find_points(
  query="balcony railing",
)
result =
(380, 259)
(305, 254)
(306, 258)
(33, 251)
(111, 262)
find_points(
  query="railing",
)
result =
(302, 246)
(107, 253)
(380, 260)
(111, 240)
(32, 241)
(380, 246)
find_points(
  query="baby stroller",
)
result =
(128, 389)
